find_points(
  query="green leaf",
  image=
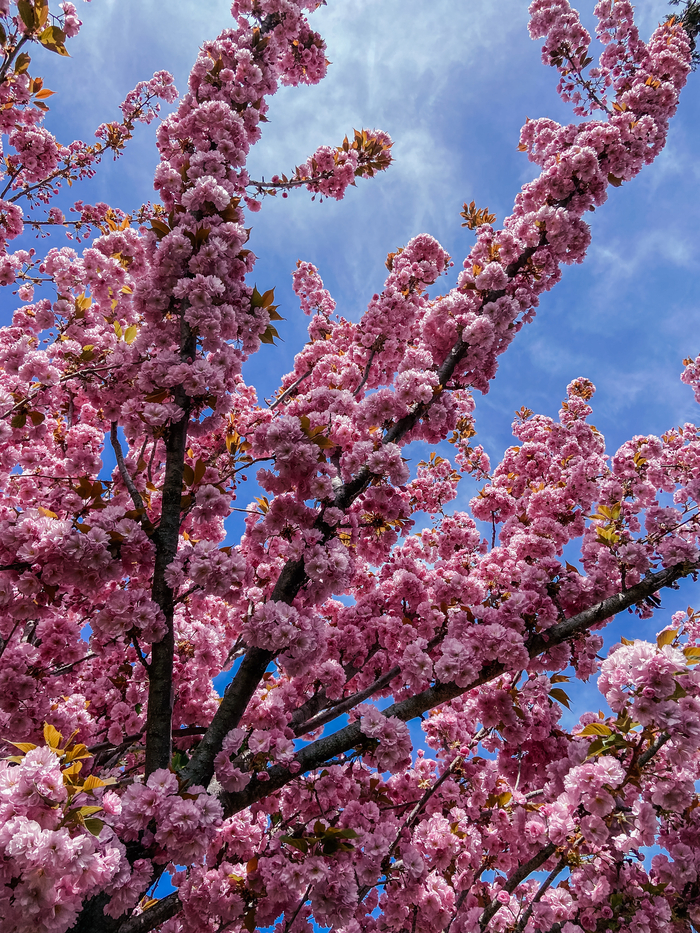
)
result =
(26, 11)
(301, 844)
(269, 334)
(200, 469)
(179, 760)
(130, 333)
(561, 696)
(24, 747)
(41, 11)
(678, 693)
(19, 420)
(596, 728)
(52, 736)
(256, 299)
(595, 748)
(53, 39)
(22, 63)
(93, 825)
(88, 811)
(666, 637)
(159, 228)
(92, 782)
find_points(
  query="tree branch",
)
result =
(365, 375)
(329, 747)
(546, 884)
(123, 471)
(292, 387)
(517, 877)
(166, 908)
(160, 671)
(201, 766)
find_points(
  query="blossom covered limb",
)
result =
(489, 291)
(329, 171)
(326, 749)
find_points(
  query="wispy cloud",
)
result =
(452, 83)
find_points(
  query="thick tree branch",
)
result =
(516, 878)
(329, 747)
(160, 672)
(544, 887)
(319, 702)
(200, 768)
(166, 908)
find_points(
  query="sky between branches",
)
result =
(451, 82)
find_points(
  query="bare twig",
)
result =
(292, 387)
(548, 881)
(289, 923)
(123, 471)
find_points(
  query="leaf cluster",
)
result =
(475, 217)
(71, 755)
(325, 840)
(35, 17)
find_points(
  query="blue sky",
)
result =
(451, 82)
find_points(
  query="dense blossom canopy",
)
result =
(298, 799)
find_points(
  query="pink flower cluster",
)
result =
(46, 867)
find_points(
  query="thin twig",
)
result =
(69, 667)
(123, 472)
(458, 906)
(288, 924)
(150, 462)
(286, 392)
(139, 653)
(548, 881)
(365, 375)
(646, 757)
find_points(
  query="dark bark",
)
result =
(160, 671)
(329, 747)
(166, 908)
(516, 878)
(325, 749)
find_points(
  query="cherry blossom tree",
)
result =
(133, 797)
